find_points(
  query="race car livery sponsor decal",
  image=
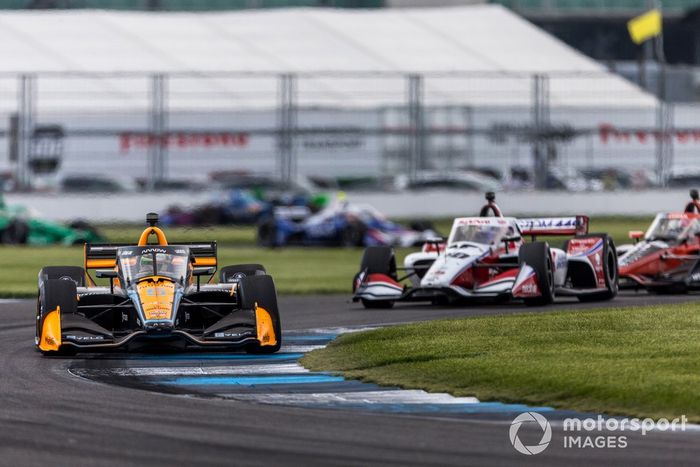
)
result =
(554, 225)
(156, 299)
(481, 221)
(526, 284)
(584, 246)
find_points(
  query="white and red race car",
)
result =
(486, 257)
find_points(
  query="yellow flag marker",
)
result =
(645, 26)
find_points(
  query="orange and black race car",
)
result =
(665, 259)
(156, 296)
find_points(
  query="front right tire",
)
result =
(378, 260)
(229, 274)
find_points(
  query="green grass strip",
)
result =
(295, 270)
(635, 361)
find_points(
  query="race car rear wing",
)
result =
(104, 255)
(554, 226)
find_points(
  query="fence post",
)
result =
(157, 132)
(470, 134)
(540, 120)
(416, 125)
(287, 121)
(25, 124)
(664, 141)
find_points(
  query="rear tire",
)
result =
(353, 235)
(538, 257)
(267, 233)
(85, 226)
(55, 293)
(227, 273)
(16, 233)
(378, 260)
(422, 226)
(261, 290)
(72, 273)
(611, 274)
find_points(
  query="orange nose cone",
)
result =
(156, 299)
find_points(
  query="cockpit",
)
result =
(483, 231)
(670, 228)
(137, 263)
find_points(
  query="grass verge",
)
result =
(641, 362)
(295, 270)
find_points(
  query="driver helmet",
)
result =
(146, 265)
(172, 264)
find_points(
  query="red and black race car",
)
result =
(665, 259)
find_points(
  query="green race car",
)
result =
(19, 226)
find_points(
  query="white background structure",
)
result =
(482, 39)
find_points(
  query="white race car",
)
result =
(486, 257)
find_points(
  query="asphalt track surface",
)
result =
(51, 417)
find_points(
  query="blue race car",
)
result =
(232, 207)
(340, 224)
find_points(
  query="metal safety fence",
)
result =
(151, 128)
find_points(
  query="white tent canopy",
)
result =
(367, 52)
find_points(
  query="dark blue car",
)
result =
(341, 224)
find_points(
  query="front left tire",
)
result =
(54, 293)
(260, 290)
(538, 256)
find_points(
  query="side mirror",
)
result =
(203, 271)
(111, 274)
(432, 244)
(636, 235)
(106, 273)
(507, 240)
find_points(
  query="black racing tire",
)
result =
(75, 274)
(538, 257)
(55, 293)
(261, 290)
(16, 233)
(377, 260)
(84, 225)
(227, 273)
(353, 235)
(267, 233)
(422, 226)
(610, 269)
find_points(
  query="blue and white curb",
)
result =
(280, 379)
